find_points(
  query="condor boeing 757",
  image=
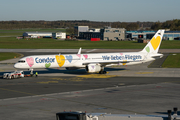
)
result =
(94, 62)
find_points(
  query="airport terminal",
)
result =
(106, 34)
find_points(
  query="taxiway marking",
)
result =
(17, 91)
(144, 72)
(97, 76)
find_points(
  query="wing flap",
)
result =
(106, 63)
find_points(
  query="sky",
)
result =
(93, 10)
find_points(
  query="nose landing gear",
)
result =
(31, 73)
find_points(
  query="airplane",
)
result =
(94, 62)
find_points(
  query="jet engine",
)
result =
(92, 68)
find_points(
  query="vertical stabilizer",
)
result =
(154, 44)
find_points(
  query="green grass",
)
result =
(10, 34)
(48, 43)
(5, 55)
(12, 43)
(174, 44)
(172, 61)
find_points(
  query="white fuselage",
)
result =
(79, 60)
(94, 62)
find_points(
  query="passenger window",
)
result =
(21, 61)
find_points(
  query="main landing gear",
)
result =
(102, 72)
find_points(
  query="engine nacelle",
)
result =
(91, 68)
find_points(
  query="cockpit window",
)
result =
(21, 61)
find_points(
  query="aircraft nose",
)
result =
(16, 65)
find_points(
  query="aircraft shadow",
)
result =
(165, 113)
(51, 70)
(75, 72)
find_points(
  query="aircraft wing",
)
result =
(107, 63)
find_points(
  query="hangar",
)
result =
(168, 35)
(37, 34)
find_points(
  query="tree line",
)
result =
(170, 24)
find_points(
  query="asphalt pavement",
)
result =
(42, 97)
(134, 89)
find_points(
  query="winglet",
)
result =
(79, 52)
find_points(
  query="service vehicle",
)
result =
(12, 75)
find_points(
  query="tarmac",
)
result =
(150, 69)
(42, 97)
(136, 89)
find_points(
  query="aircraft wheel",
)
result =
(104, 72)
(100, 72)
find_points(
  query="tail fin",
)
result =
(154, 44)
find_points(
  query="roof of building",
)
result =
(38, 32)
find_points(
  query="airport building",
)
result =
(37, 34)
(171, 35)
(110, 34)
(59, 35)
(140, 34)
(56, 35)
(91, 33)
(107, 34)
(168, 35)
(78, 29)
